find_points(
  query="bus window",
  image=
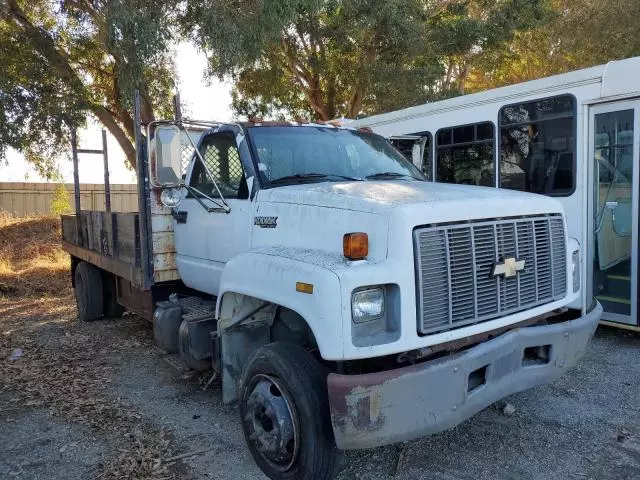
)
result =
(538, 145)
(464, 154)
(407, 146)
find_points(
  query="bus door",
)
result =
(614, 134)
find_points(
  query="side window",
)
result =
(407, 148)
(465, 154)
(538, 146)
(222, 160)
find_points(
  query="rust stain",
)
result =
(164, 262)
(163, 242)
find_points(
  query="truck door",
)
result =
(207, 240)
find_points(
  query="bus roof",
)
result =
(616, 78)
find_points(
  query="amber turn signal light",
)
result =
(355, 245)
(304, 287)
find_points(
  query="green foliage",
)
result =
(316, 58)
(474, 29)
(61, 201)
(140, 35)
(36, 106)
(578, 34)
(350, 57)
(66, 59)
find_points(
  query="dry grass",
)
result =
(32, 262)
(67, 366)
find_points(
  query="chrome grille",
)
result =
(454, 266)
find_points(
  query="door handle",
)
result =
(181, 217)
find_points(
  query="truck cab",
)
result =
(353, 304)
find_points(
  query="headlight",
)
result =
(575, 265)
(367, 305)
(171, 197)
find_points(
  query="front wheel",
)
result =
(284, 411)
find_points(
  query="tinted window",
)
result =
(464, 154)
(444, 136)
(614, 146)
(222, 164)
(537, 146)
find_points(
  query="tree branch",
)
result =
(59, 62)
(123, 140)
(100, 22)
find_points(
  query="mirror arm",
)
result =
(215, 184)
(197, 193)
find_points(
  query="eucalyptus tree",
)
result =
(63, 60)
(329, 58)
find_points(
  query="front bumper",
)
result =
(376, 409)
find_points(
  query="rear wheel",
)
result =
(284, 411)
(88, 291)
(110, 306)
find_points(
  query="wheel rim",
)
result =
(271, 422)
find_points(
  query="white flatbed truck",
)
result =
(345, 302)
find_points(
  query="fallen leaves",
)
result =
(49, 360)
(65, 369)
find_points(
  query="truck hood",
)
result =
(449, 201)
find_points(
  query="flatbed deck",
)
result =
(108, 240)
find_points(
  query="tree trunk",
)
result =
(121, 137)
(355, 103)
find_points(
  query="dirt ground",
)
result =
(100, 400)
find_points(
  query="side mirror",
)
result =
(168, 159)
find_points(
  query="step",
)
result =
(196, 309)
(617, 286)
(610, 304)
(626, 278)
(613, 299)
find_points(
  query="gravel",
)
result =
(585, 426)
(35, 445)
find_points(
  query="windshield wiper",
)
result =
(387, 176)
(310, 176)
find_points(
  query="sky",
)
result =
(210, 100)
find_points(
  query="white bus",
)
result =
(574, 136)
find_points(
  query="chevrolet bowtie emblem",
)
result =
(509, 268)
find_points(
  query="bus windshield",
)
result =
(304, 154)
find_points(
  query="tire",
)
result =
(110, 306)
(286, 374)
(88, 292)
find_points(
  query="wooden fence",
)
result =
(24, 199)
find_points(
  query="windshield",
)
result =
(297, 154)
